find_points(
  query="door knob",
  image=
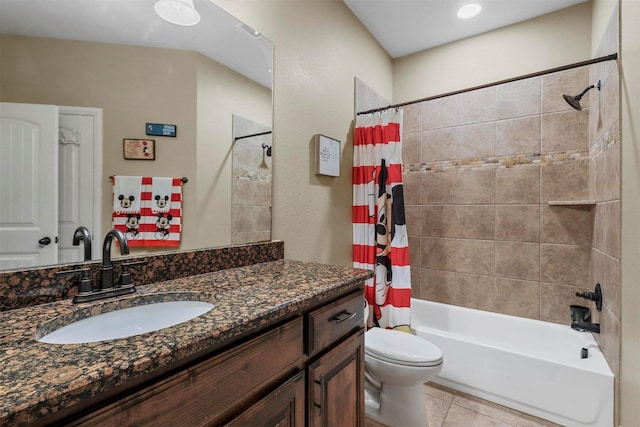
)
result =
(44, 241)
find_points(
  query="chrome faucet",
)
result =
(82, 233)
(106, 271)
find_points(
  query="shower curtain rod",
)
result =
(252, 135)
(612, 57)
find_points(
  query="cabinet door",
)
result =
(284, 407)
(336, 386)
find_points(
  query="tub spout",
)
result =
(586, 327)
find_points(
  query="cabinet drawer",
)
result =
(335, 320)
(210, 390)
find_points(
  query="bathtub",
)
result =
(528, 365)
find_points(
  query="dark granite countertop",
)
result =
(37, 378)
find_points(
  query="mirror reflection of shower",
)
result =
(251, 181)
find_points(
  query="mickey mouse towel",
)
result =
(158, 221)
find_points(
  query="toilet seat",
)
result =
(401, 348)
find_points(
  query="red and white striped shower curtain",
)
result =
(380, 240)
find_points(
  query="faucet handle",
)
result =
(125, 277)
(85, 280)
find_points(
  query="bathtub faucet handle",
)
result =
(593, 296)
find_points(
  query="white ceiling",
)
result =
(134, 22)
(403, 27)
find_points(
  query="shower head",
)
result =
(574, 101)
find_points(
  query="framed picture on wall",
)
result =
(327, 156)
(139, 149)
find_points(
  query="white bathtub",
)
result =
(528, 365)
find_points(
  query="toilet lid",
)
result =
(401, 348)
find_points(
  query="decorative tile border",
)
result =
(610, 137)
(497, 162)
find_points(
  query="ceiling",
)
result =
(404, 27)
(219, 35)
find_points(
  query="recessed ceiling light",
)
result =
(179, 12)
(469, 10)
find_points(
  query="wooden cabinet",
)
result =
(336, 378)
(336, 386)
(308, 370)
(282, 408)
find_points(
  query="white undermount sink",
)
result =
(127, 322)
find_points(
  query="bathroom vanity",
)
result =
(283, 345)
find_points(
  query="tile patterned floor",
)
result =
(451, 408)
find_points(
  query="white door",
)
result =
(28, 185)
(79, 174)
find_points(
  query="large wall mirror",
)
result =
(120, 64)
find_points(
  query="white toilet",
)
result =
(397, 364)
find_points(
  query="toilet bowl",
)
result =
(397, 364)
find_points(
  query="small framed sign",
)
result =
(160, 129)
(139, 149)
(327, 156)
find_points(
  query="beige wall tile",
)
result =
(520, 223)
(606, 271)
(250, 237)
(438, 253)
(439, 145)
(439, 221)
(412, 183)
(251, 218)
(415, 251)
(477, 106)
(612, 170)
(565, 264)
(439, 113)
(413, 215)
(565, 182)
(555, 300)
(475, 187)
(570, 82)
(474, 222)
(609, 339)
(477, 291)
(568, 130)
(599, 228)
(475, 256)
(518, 298)
(439, 286)
(518, 260)
(412, 147)
(476, 141)
(518, 185)
(566, 224)
(613, 227)
(518, 136)
(412, 118)
(518, 99)
(609, 100)
(438, 188)
(600, 179)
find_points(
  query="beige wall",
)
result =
(135, 85)
(545, 42)
(319, 48)
(630, 124)
(221, 93)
